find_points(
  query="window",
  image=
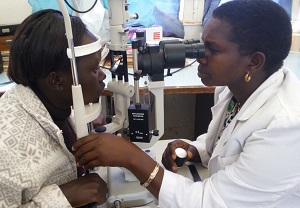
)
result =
(287, 5)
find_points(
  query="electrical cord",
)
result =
(178, 70)
(69, 5)
(174, 72)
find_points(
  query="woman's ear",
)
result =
(54, 81)
(257, 61)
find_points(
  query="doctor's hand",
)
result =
(169, 155)
(84, 190)
(104, 149)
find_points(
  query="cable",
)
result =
(104, 67)
(69, 5)
(178, 70)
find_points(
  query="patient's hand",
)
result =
(85, 190)
(100, 121)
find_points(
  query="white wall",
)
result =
(191, 12)
(13, 11)
(296, 16)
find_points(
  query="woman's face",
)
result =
(90, 75)
(223, 65)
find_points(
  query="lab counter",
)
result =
(185, 81)
(159, 148)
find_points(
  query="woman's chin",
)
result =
(204, 79)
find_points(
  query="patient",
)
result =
(37, 167)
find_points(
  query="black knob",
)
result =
(126, 131)
(155, 132)
(108, 119)
(100, 129)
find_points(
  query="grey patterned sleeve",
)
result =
(33, 156)
(51, 196)
(18, 190)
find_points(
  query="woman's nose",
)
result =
(102, 75)
(202, 61)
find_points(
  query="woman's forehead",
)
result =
(216, 29)
(88, 37)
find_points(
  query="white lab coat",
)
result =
(256, 162)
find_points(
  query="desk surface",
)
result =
(184, 82)
(159, 148)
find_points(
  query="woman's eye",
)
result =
(97, 68)
(212, 51)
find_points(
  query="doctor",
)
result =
(252, 146)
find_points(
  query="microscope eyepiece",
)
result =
(169, 54)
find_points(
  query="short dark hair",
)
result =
(258, 26)
(39, 46)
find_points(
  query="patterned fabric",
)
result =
(33, 157)
(232, 110)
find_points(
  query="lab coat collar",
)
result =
(252, 105)
(218, 112)
(261, 95)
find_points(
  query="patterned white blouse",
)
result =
(33, 157)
